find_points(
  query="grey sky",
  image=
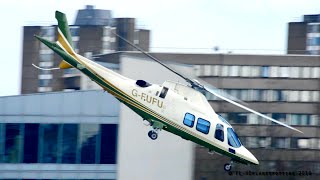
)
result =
(246, 26)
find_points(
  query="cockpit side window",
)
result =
(219, 134)
(233, 139)
(142, 83)
(163, 92)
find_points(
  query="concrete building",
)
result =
(92, 33)
(70, 135)
(304, 37)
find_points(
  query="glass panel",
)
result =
(219, 132)
(207, 70)
(216, 70)
(50, 143)
(69, 143)
(197, 69)
(44, 82)
(255, 71)
(74, 30)
(238, 117)
(306, 72)
(189, 120)
(245, 71)
(88, 141)
(280, 142)
(294, 72)
(108, 144)
(234, 70)
(31, 137)
(265, 71)
(47, 31)
(233, 139)
(13, 143)
(284, 72)
(279, 117)
(46, 57)
(225, 71)
(274, 71)
(203, 126)
(305, 96)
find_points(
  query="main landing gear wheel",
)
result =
(153, 135)
(227, 167)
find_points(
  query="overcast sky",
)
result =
(246, 26)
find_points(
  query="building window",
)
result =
(88, 135)
(265, 71)
(31, 138)
(189, 120)
(203, 126)
(219, 132)
(47, 31)
(280, 143)
(13, 145)
(49, 141)
(108, 149)
(44, 82)
(69, 143)
(74, 31)
(240, 118)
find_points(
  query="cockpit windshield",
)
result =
(223, 120)
(233, 139)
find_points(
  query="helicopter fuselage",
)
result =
(173, 107)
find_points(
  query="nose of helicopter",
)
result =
(250, 157)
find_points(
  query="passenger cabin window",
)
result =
(142, 83)
(189, 120)
(219, 134)
(233, 139)
(203, 126)
(163, 92)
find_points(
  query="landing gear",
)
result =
(156, 127)
(227, 167)
(153, 134)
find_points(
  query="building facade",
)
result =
(69, 135)
(304, 37)
(92, 33)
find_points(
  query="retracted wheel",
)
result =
(153, 135)
(227, 167)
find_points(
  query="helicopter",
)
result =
(174, 107)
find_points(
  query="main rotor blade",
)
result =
(251, 110)
(219, 91)
(154, 58)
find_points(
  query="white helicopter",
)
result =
(174, 107)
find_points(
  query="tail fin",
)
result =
(64, 38)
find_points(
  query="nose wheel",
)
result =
(153, 134)
(227, 167)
